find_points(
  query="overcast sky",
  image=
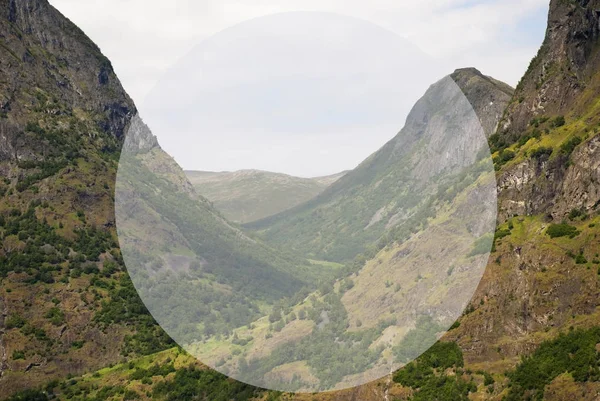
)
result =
(326, 106)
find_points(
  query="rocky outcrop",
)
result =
(562, 80)
(139, 138)
(43, 54)
(563, 67)
(487, 96)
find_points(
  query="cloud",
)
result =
(156, 33)
(270, 81)
(237, 90)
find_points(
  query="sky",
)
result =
(228, 85)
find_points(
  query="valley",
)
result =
(73, 325)
(431, 227)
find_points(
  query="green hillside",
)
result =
(249, 195)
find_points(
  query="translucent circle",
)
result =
(342, 289)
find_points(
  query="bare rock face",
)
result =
(562, 69)
(139, 138)
(41, 49)
(562, 80)
(487, 96)
(546, 187)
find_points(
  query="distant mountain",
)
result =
(248, 195)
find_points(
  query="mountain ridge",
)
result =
(486, 98)
(247, 195)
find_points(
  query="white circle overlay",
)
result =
(281, 89)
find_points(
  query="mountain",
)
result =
(72, 325)
(179, 251)
(542, 283)
(68, 305)
(368, 202)
(63, 117)
(248, 195)
(554, 112)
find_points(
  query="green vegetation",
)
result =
(576, 213)
(34, 259)
(56, 316)
(569, 146)
(504, 156)
(418, 339)
(574, 353)
(482, 245)
(191, 383)
(580, 259)
(125, 306)
(14, 321)
(29, 395)
(562, 230)
(330, 351)
(154, 370)
(558, 121)
(426, 375)
(18, 355)
(541, 152)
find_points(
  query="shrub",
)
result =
(575, 213)
(558, 121)
(18, 355)
(29, 395)
(56, 316)
(15, 321)
(488, 379)
(562, 230)
(569, 146)
(423, 375)
(573, 353)
(541, 152)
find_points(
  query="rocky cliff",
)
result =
(553, 117)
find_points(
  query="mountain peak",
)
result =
(487, 96)
(467, 70)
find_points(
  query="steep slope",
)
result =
(368, 202)
(543, 279)
(63, 115)
(249, 195)
(553, 116)
(67, 304)
(365, 321)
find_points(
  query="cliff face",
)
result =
(564, 66)
(548, 160)
(42, 50)
(488, 96)
(555, 102)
